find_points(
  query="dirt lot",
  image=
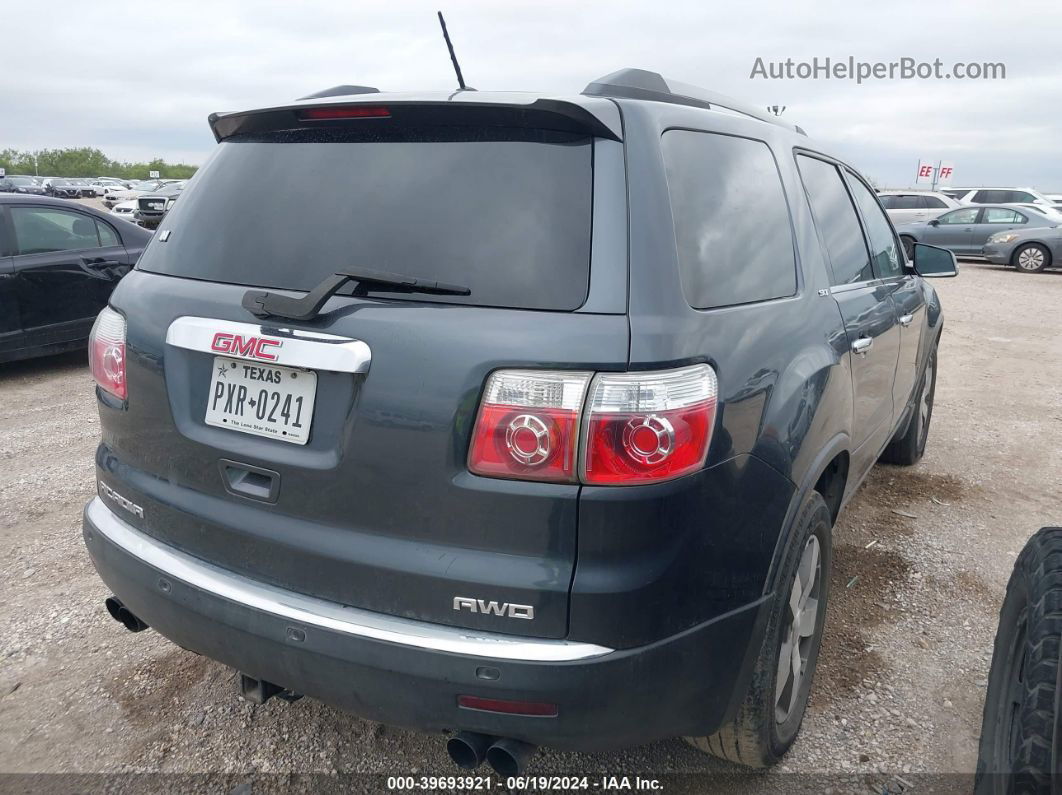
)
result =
(922, 559)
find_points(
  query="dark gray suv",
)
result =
(523, 417)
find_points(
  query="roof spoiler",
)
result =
(543, 114)
(642, 84)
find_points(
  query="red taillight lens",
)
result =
(528, 425)
(647, 427)
(107, 352)
(537, 709)
(345, 112)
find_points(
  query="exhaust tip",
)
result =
(120, 613)
(468, 749)
(510, 757)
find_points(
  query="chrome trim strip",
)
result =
(310, 611)
(299, 348)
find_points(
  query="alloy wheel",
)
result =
(799, 633)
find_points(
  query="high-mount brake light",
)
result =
(107, 353)
(345, 112)
(528, 425)
(647, 427)
(628, 428)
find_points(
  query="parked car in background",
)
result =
(966, 229)
(18, 184)
(59, 262)
(905, 206)
(150, 208)
(608, 520)
(998, 196)
(124, 210)
(61, 188)
(116, 194)
(1029, 250)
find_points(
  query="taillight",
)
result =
(528, 425)
(107, 352)
(636, 427)
(646, 427)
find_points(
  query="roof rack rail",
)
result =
(340, 91)
(642, 84)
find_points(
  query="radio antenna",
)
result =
(453, 57)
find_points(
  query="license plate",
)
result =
(262, 399)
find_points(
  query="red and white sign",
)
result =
(945, 172)
(926, 170)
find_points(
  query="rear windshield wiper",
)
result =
(265, 304)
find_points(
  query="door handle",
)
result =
(862, 345)
(905, 320)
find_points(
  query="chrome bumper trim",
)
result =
(310, 611)
(290, 346)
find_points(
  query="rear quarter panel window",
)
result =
(733, 233)
(836, 219)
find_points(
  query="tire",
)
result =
(1021, 734)
(768, 720)
(908, 246)
(1031, 258)
(908, 445)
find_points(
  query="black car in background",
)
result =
(537, 434)
(18, 184)
(59, 262)
(152, 207)
(61, 188)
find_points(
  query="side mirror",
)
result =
(934, 222)
(934, 261)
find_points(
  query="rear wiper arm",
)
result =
(307, 307)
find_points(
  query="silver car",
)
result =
(966, 230)
(1028, 250)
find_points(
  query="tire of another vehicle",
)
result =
(908, 446)
(1021, 733)
(768, 720)
(908, 245)
(1031, 258)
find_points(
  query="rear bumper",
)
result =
(410, 673)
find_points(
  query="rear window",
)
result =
(732, 229)
(506, 213)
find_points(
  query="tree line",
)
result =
(86, 162)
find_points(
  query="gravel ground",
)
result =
(922, 558)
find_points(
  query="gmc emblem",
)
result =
(249, 347)
(493, 608)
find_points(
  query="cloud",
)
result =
(139, 85)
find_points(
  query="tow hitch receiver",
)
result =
(259, 691)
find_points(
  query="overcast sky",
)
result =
(138, 80)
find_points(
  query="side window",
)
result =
(39, 230)
(989, 197)
(885, 254)
(967, 215)
(1017, 196)
(732, 229)
(999, 215)
(890, 202)
(910, 203)
(934, 202)
(836, 219)
(108, 237)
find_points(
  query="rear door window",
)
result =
(885, 253)
(732, 230)
(934, 202)
(836, 219)
(1000, 215)
(504, 212)
(40, 230)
